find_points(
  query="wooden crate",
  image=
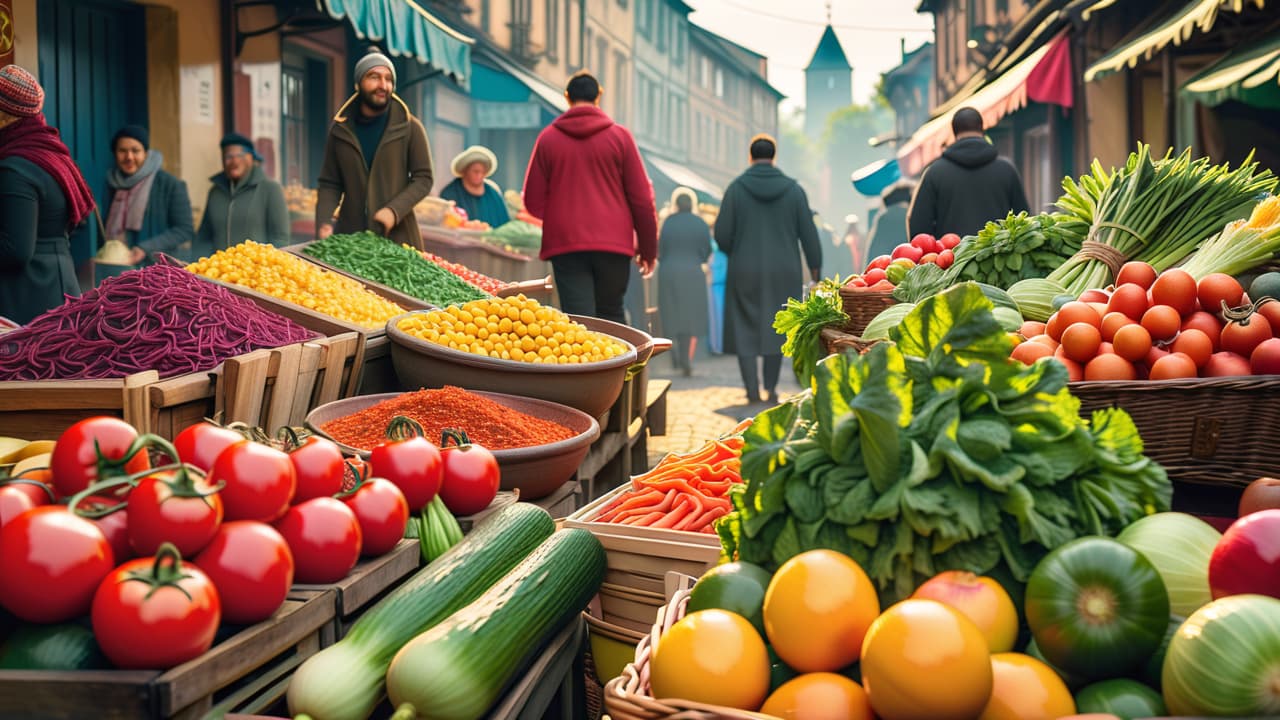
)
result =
(367, 583)
(552, 687)
(563, 502)
(247, 672)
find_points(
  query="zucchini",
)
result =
(459, 668)
(68, 646)
(345, 681)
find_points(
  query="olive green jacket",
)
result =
(254, 210)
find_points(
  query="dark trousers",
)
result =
(592, 283)
(682, 350)
(750, 379)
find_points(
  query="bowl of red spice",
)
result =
(538, 444)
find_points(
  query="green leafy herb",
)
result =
(802, 321)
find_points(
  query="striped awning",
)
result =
(1174, 29)
(1248, 74)
(409, 31)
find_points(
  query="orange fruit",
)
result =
(1195, 344)
(1025, 688)
(1112, 322)
(1080, 341)
(1162, 321)
(713, 657)
(819, 696)
(1132, 342)
(922, 660)
(980, 599)
(1110, 367)
(1029, 352)
(817, 610)
(1076, 311)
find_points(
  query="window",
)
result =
(619, 86)
(642, 15)
(293, 109)
(484, 16)
(719, 79)
(662, 27)
(677, 43)
(587, 44)
(552, 37)
(704, 71)
(831, 83)
(602, 55)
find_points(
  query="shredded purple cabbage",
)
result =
(157, 318)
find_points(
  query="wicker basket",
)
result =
(626, 697)
(839, 339)
(863, 306)
(1212, 431)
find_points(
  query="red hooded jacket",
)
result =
(587, 183)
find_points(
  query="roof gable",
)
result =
(830, 54)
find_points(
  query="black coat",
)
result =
(683, 246)
(960, 192)
(35, 259)
(168, 225)
(763, 214)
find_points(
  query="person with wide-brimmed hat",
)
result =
(43, 196)
(473, 191)
(243, 203)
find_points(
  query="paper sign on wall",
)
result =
(198, 94)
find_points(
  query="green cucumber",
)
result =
(458, 669)
(67, 646)
(345, 681)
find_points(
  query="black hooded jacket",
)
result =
(964, 189)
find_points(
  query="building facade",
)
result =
(611, 29)
(828, 82)
(660, 87)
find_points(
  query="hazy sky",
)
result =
(787, 32)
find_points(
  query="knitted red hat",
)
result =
(20, 92)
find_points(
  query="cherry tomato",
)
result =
(259, 481)
(383, 514)
(173, 507)
(319, 469)
(114, 525)
(325, 539)
(91, 450)
(251, 565)
(154, 613)
(13, 502)
(202, 443)
(51, 564)
(471, 476)
(410, 461)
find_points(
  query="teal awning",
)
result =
(667, 176)
(407, 30)
(1250, 74)
(505, 95)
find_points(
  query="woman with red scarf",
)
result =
(43, 196)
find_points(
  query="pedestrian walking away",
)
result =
(889, 229)
(587, 183)
(969, 186)
(473, 191)
(43, 196)
(377, 162)
(764, 221)
(243, 203)
(149, 209)
(684, 245)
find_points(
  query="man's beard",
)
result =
(372, 102)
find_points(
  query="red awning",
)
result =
(1044, 76)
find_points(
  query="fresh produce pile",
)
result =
(484, 282)
(519, 235)
(156, 318)
(1169, 618)
(883, 273)
(513, 328)
(936, 452)
(489, 423)
(682, 492)
(290, 278)
(802, 322)
(372, 256)
(1016, 248)
(1161, 327)
(445, 643)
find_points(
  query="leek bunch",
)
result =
(1242, 245)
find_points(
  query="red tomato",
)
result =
(1205, 323)
(879, 262)
(930, 257)
(905, 250)
(1138, 273)
(251, 566)
(91, 450)
(259, 481)
(1172, 366)
(1026, 353)
(1162, 321)
(383, 514)
(325, 539)
(173, 507)
(413, 464)
(1130, 299)
(925, 242)
(1177, 289)
(1109, 367)
(1215, 289)
(946, 258)
(873, 276)
(1155, 353)
(1271, 311)
(1195, 344)
(1075, 371)
(35, 484)
(114, 525)
(1227, 364)
(13, 502)
(319, 468)
(1265, 359)
(1132, 342)
(1080, 341)
(51, 564)
(949, 241)
(202, 443)
(1111, 324)
(471, 477)
(1094, 295)
(154, 613)
(1242, 336)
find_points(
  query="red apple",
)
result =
(945, 258)
(1094, 295)
(1226, 364)
(908, 251)
(857, 282)
(1262, 494)
(948, 241)
(873, 276)
(879, 262)
(925, 242)
(1247, 558)
(980, 599)
(1265, 359)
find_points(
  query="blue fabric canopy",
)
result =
(407, 31)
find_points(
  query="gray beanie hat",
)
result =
(372, 59)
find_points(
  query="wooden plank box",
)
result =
(404, 300)
(246, 672)
(369, 581)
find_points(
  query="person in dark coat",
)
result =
(243, 203)
(43, 196)
(473, 191)
(969, 186)
(763, 214)
(377, 162)
(889, 229)
(684, 244)
(148, 208)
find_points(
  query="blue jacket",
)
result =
(168, 225)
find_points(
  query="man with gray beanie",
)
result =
(377, 163)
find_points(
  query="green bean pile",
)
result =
(397, 266)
